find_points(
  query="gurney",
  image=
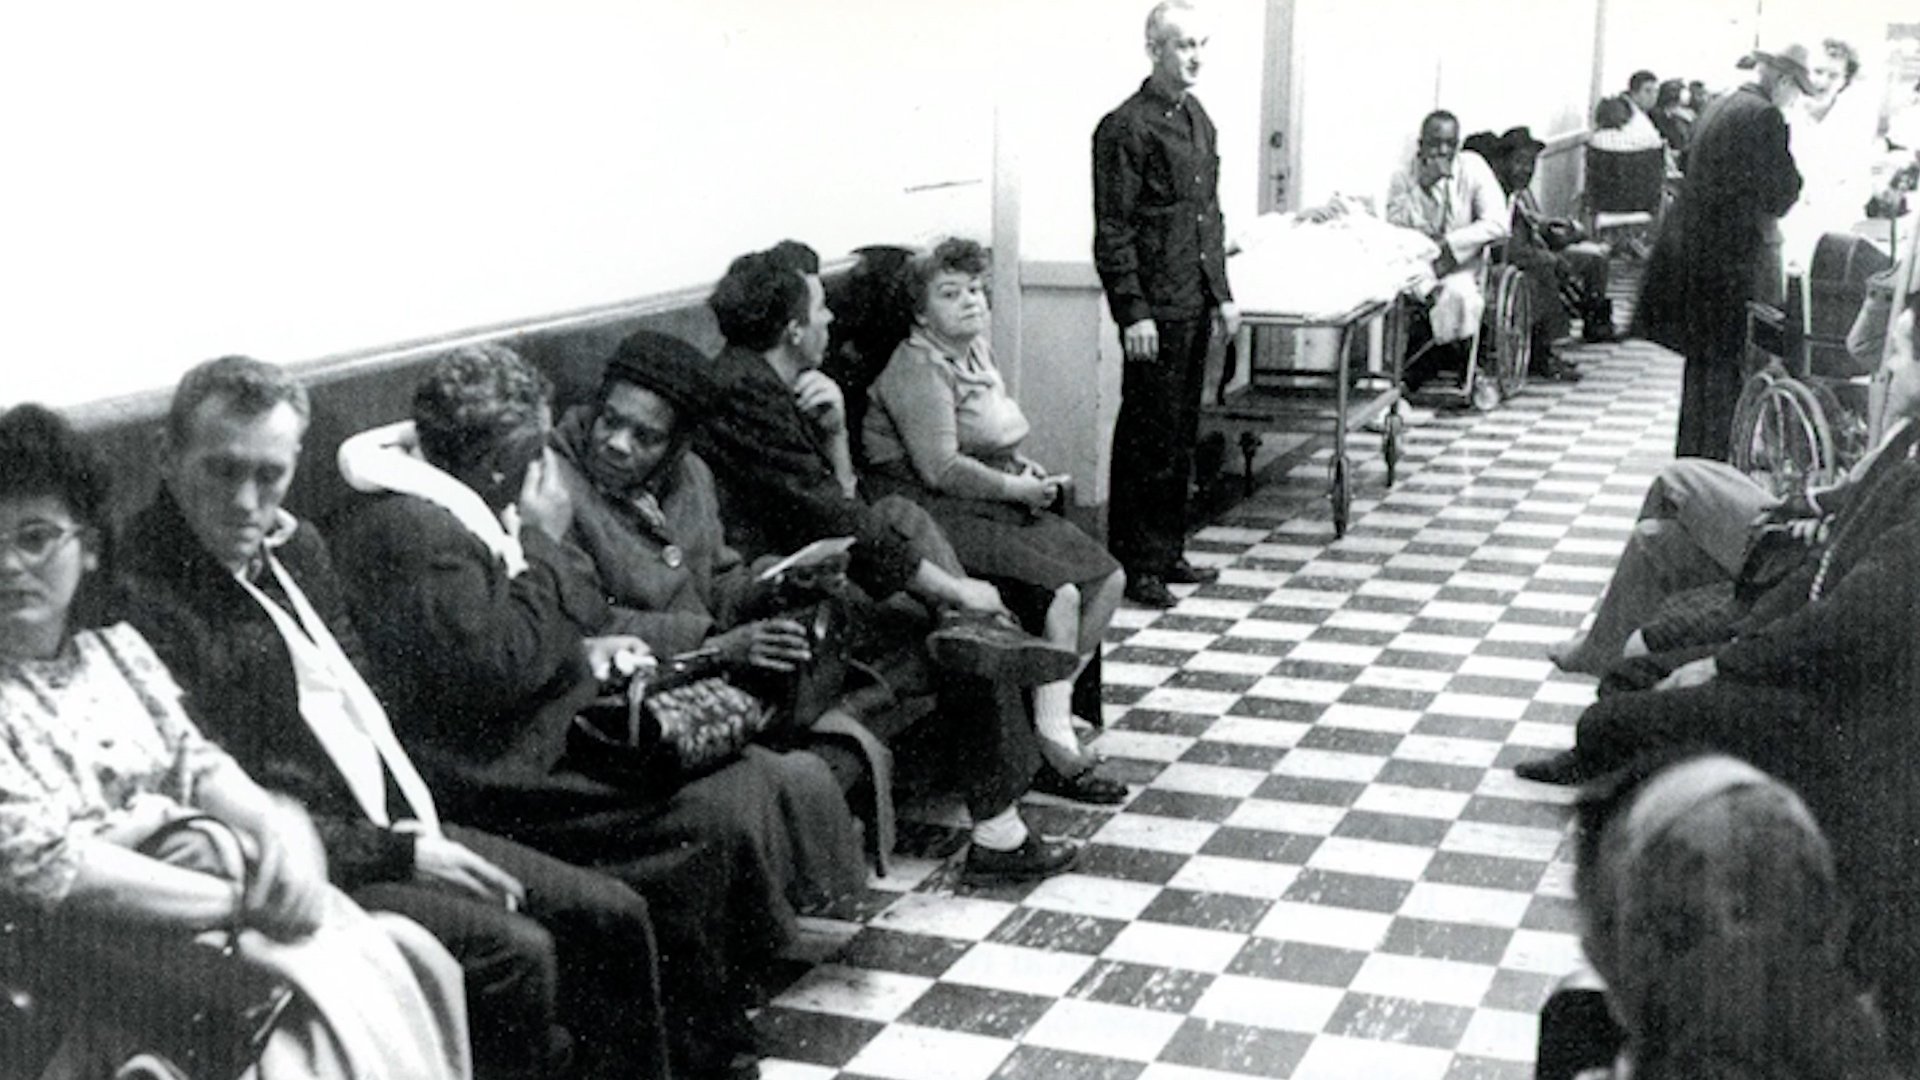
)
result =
(1315, 281)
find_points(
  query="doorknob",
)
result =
(1277, 140)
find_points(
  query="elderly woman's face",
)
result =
(631, 434)
(43, 555)
(956, 307)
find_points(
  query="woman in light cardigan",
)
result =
(942, 430)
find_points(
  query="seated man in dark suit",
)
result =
(1566, 275)
(1824, 697)
(778, 445)
(241, 600)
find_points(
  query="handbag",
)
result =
(682, 721)
(194, 1003)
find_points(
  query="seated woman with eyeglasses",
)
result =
(100, 764)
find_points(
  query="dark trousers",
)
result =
(983, 730)
(1153, 448)
(1777, 730)
(1709, 391)
(576, 966)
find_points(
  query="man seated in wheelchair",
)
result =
(1456, 201)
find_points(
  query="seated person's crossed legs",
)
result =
(777, 441)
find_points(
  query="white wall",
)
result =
(198, 177)
(1056, 94)
(1373, 68)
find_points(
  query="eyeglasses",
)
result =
(35, 544)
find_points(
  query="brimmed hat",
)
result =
(1484, 143)
(1521, 138)
(1790, 61)
(667, 366)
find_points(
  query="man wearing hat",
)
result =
(645, 509)
(1564, 274)
(1707, 262)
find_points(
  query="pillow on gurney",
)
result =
(1321, 269)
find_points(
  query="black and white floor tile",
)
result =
(1326, 869)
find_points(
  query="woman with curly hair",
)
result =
(942, 430)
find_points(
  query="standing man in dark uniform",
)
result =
(1708, 261)
(1158, 244)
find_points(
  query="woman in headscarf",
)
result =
(488, 631)
(119, 823)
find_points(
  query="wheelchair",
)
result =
(1802, 417)
(1501, 346)
(1626, 194)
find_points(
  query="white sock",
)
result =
(1003, 831)
(1053, 713)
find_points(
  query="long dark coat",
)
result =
(1740, 176)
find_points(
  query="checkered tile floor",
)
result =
(1326, 869)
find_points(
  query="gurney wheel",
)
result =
(1342, 498)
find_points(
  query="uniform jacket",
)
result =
(1159, 241)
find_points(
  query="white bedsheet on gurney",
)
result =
(1322, 270)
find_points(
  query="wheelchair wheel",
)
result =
(1745, 427)
(1512, 332)
(1792, 444)
(1851, 437)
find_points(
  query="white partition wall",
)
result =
(200, 177)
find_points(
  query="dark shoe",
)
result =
(1084, 786)
(1183, 572)
(1148, 590)
(1564, 769)
(1556, 369)
(1034, 860)
(1595, 332)
(994, 649)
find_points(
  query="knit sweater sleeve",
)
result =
(919, 395)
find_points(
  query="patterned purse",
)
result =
(681, 721)
(702, 721)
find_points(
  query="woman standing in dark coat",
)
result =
(1706, 264)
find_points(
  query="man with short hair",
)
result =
(1455, 201)
(778, 446)
(1636, 129)
(241, 600)
(1710, 261)
(1159, 246)
(1643, 90)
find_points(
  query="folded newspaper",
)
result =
(812, 555)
